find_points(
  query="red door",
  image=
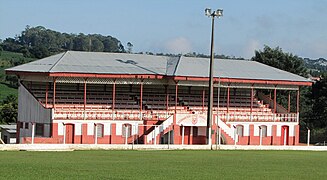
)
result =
(285, 135)
(187, 135)
(70, 134)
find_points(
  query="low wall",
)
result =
(72, 147)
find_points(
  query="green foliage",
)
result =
(6, 90)
(199, 55)
(9, 109)
(10, 59)
(319, 94)
(39, 42)
(277, 58)
(164, 165)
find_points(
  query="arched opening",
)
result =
(99, 128)
(239, 130)
(263, 130)
(126, 130)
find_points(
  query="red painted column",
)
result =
(113, 96)
(273, 134)
(297, 135)
(275, 100)
(46, 95)
(176, 96)
(203, 96)
(252, 140)
(141, 97)
(54, 94)
(228, 99)
(84, 96)
(84, 138)
(114, 138)
(252, 91)
(177, 135)
(167, 98)
(289, 102)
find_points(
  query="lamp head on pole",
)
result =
(207, 12)
(218, 12)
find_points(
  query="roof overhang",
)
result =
(151, 76)
(246, 81)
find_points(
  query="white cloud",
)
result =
(178, 45)
(250, 47)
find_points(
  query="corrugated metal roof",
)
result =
(237, 69)
(120, 63)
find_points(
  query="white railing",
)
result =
(106, 114)
(159, 129)
(259, 117)
(228, 130)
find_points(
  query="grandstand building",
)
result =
(115, 98)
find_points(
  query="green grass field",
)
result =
(164, 165)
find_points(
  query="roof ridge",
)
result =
(55, 64)
(179, 59)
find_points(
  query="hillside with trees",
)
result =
(39, 42)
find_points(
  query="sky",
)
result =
(180, 26)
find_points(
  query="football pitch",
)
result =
(163, 165)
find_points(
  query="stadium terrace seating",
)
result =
(69, 102)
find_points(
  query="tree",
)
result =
(319, 95)
(277, 58)
(39, 42)
(9, 109)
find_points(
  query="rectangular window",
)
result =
(21, 125)
(26, 125)
(39, 130)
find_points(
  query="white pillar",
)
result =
(183, 135)
(285, 135)
(155, 135)
(126, 133)
(308, 141)
(235, 132)
(133, 133)
(33, 132)
(64, 129)
(96, 134)
(219, 137)
(260, 135)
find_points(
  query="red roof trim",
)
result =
(136, 76)
(247, 81)
(146, 76)
(26, 73)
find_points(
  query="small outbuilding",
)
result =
(8, 133)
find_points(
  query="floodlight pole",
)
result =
(218, 14)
